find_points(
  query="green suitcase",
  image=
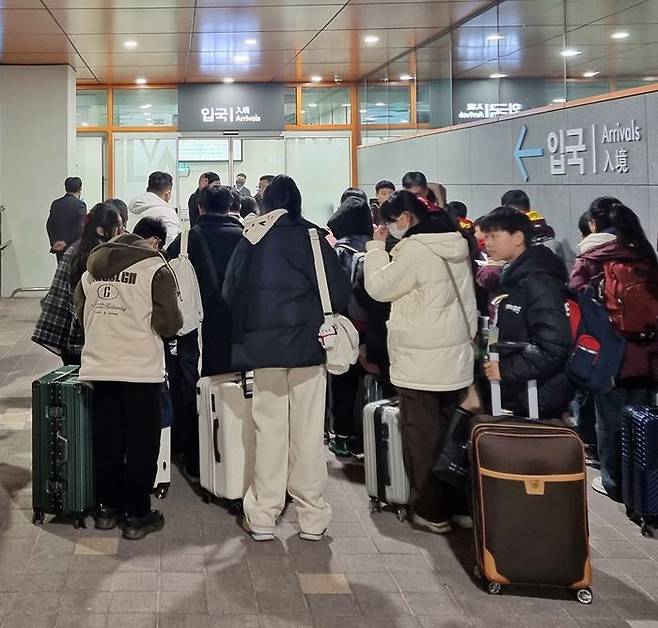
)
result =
(62, 464)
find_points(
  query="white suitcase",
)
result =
(226, 437)
(386, 478)
(163, 476)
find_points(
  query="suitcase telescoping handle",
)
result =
(496, 395)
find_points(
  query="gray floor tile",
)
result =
(332, 604)
(132, 620)
(85, 602)
(19, 619)
(138, 581)
(184, 602)
(134, 602)
(35, 602)
(81, 620)
(271, 603)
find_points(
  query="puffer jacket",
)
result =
(640, 359)
(152, 206)
(531, 309)
(271, 288)
(429, 341)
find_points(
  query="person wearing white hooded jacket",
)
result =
(430, 333)
(154, 203)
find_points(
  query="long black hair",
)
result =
(283, 193)
(103, 215)
(609, 214)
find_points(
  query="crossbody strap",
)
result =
(184, 237)
(320, 272)
(459, 299)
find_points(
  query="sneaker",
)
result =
(106, 518)
(257, 535)
(309, 536)
(462, 521)
(356, 448)
(440, 527)
(340, 447)
(597, 485)
(136, 528)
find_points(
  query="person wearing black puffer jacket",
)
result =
(529, 308)
(272, 290)
(352, 226)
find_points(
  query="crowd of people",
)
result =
(414, 274)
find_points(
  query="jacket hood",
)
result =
(536, 259)
(110, 258)
(594, 240)
(610, 250)
(448, 246)
(257, 228)
(220, 219)
(148, 200)
(353, 217)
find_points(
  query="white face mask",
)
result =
(397, 232)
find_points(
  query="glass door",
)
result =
(91, 167)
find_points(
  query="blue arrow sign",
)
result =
(520, 153)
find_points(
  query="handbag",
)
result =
(337, 335)
(453, 465)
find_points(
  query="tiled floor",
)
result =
(203, 571)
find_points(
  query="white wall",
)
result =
(37, 144)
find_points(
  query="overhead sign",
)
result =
(520, 153)
(248, 107)
(482, 110)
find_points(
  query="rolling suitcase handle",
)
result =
(496, 395)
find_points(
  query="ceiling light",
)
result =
(650, 79)
(140, 81)
(363, 111)
(150, 124)
(371, 119)
(85, 124)
(228, 80)
(405, 77)
(404, 121)
(312, 105)
(303, 111)
(130, 44)
(620, 35)
(251, 42)
(498, 75)
(570, 52)
(148, 105)
(241, 58)
(380, 104)
(316, 79)
(590, 74)
(558, 101)
(495, 37)
(345, 104)
(371, 39)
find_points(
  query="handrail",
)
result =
(19, 290)
(4, 245)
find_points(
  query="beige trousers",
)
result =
(288, 413)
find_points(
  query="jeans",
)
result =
(609, 408)
(344, 391)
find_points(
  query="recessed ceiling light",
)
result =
(228, 80)
(650, 79)
(495, 37)
(151, 124)
(363, 111)
(498, 75)
(250, 42)
(148, 105)
(405, 77)
(558, 101)
(303, 111)
(371, 39)
(140, 81)
(313, 105)
(590, 74)
(316, 79)
(380, 104)
(241, 58)
(346, 104)
(570, 52)
(85, 124)
(130, 44)
(404, 121)
(620, 35)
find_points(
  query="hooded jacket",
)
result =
(272, 291)
(531, 309)
(429, 339)
(127, 300)
(640, 359)
(152, 206)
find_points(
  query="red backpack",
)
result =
(629, 291)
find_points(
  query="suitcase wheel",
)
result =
(235, 508)
(161, 491)
(206, 498)
(38, 517)
(402, 514)
(584, 596)
(647, 530)
(493, 588)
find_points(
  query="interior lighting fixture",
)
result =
(405, 77)
(345, 104)
(570, 52)
(316, 79)
(148, 105)
(498, 75)
(371, 39)
(313, 105)
(251, 42)
(130, 44)
(140, 81)
(241, 58)
(495, 37)
(228, 80)
(590, 74)
(650, 79)
(558, 101)
(620, 35)
(380, 104)
(363, 111)
(84, 124)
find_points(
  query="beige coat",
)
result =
(428, 342)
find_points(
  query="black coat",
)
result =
(193, 207)
(222, 234)
(534, 312)
(272, 290)
(66, 219)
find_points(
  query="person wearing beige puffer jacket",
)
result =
(429, 338)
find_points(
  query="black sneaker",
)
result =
(339, 446)
(136, 528)
(356, 447)
(106, 518)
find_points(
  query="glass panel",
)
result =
(434, 84)
(136, 157)
(326, 105)
(321, 168)
(258, 157)
(145, 107)
(90, 158)
(290, 105)
(91, 107)
(385, 103)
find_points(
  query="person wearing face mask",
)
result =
(427, 279)
(155, 204)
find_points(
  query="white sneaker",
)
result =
(597, 485)
(462, 521)
(258, 535)
(309, 536)
(440, 527)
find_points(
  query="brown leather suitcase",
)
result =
(530, 506)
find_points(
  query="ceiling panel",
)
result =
(272, 3)
(101, 21)
(643, 13)
(118, 4)
(531, 13)
(147, 43)
(27, 21)
(401, 38)
(137, 60)
(38, 58)
(345, 71)
(215, 73)
(20, 4)
(156, 74)
(271, 18)
(579, 12)
(256, 59)
(36, 43)
(271, 40)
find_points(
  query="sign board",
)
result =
(481, 110)
(242, 107)
(208, 149)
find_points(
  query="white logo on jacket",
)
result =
(513, 308)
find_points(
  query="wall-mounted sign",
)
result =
(481, 110)
(248, 107)
(208, 149)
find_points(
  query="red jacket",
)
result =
(641, 359)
